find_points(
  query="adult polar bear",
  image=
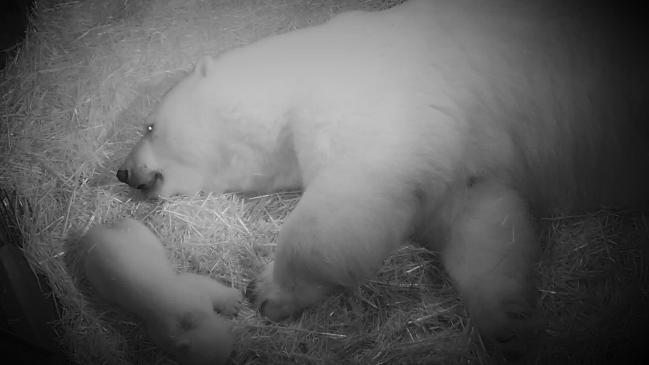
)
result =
(452, 122)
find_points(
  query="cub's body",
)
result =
(127, 265)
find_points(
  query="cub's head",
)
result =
(191, 143)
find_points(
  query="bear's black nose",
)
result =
(122, 175)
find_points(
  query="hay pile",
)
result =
(74, 99)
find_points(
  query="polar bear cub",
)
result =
(127, 265)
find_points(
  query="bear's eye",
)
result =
(149, 128)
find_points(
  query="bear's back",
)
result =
(547, 98)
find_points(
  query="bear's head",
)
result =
(205, 135)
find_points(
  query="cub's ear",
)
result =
(203, 66)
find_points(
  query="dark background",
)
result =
(13, 22)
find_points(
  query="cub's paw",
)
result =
(272, 301)
(229, 301)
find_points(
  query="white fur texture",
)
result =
(127, 265)
(452, 122)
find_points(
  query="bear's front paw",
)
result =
(272, 301)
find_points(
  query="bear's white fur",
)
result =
(451, 122)
(127, 265)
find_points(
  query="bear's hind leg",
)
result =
(490, 254)
(345, 225)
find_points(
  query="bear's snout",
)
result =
(142, 180)
(122, 175)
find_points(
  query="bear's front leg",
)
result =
(490, 254)
(345, 225)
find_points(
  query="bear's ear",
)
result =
(203, 66)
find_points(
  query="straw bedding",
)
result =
(74, 98)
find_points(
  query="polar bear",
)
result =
(127, 265)
(454, 123)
